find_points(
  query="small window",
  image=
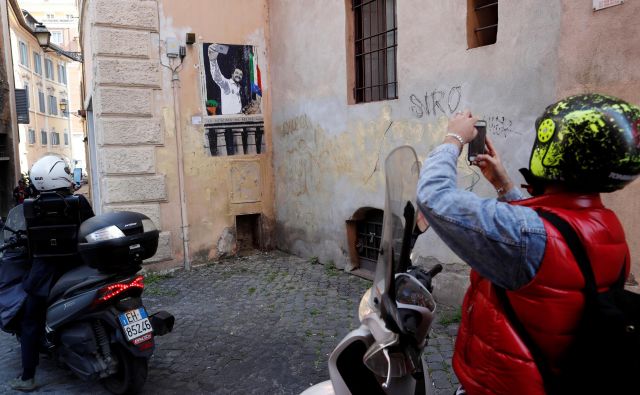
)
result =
(62, 73)
(66, 138)
(26, 88)
(48, 69)
(24, 54)
(55, 138)
(57, 38)
(375, 47)
(41, 101)
(37, 63)
(32, 136)
(53, 105)
(482, 22)
(43, 137)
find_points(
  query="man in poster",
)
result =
(230, 88)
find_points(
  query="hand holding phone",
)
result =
(477, 145)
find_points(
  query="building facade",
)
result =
(61, 18)
(9, 138)
(43, 74)
(297, 157)
(174, 131)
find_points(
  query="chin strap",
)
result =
(534, 185)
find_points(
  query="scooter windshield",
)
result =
(15, 221)
(402, 170)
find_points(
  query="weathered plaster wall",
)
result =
(210, 181)
(601, 54)
(328, 154)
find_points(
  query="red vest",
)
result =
(489, 357)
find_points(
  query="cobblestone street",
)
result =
(260, 324)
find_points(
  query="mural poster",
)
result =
(232, 79)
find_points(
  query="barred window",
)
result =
(376, 41)
(482, 22)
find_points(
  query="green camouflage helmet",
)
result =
(590, 142)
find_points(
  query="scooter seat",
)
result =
(72, 278)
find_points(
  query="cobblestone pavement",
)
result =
(260, 324)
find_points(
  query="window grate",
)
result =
(376, 41)
(482, 23)
(369, 235)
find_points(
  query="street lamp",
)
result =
(63, 105)
(43, 35)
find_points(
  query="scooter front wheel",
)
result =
(131, 374)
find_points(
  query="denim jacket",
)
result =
(503, 242)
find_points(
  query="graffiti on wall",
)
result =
(232, 95)
(436, 102)
(500, 126)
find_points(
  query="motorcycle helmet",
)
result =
(589, 142)
(51, 172)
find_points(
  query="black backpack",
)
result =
(605, 355)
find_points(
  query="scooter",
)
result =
(96, 322)
(384, 355)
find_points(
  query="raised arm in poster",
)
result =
(232, 78)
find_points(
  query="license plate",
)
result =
(135, 324)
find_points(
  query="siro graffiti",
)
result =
(500, 126)
(436, 102)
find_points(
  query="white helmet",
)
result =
(51, 172)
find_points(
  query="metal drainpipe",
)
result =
(175, 80)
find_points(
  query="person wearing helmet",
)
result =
(584, 145)
(50, 175)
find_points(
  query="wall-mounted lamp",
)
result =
(63, 105)
(43, 35)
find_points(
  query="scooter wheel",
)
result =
(131, 374)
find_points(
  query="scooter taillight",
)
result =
(111, 291)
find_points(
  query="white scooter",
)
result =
(384, 355)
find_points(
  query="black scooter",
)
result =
(96, 322)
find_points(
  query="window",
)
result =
(26, 88)
(53, 105)
(43, 137)
(482, 22)
(41, 101)
(48, 69)
(55, 138)
(24, 54)
(51, 16)
(66, 138)
(62, 73)
(57, 38)
(32, 136)
(375, 47)
(37, 63)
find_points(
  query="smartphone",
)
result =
(220, 48)
(476, 146)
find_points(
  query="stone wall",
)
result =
(121, 52)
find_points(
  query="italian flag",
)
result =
(256, 80)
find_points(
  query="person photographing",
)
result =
(522, 265)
